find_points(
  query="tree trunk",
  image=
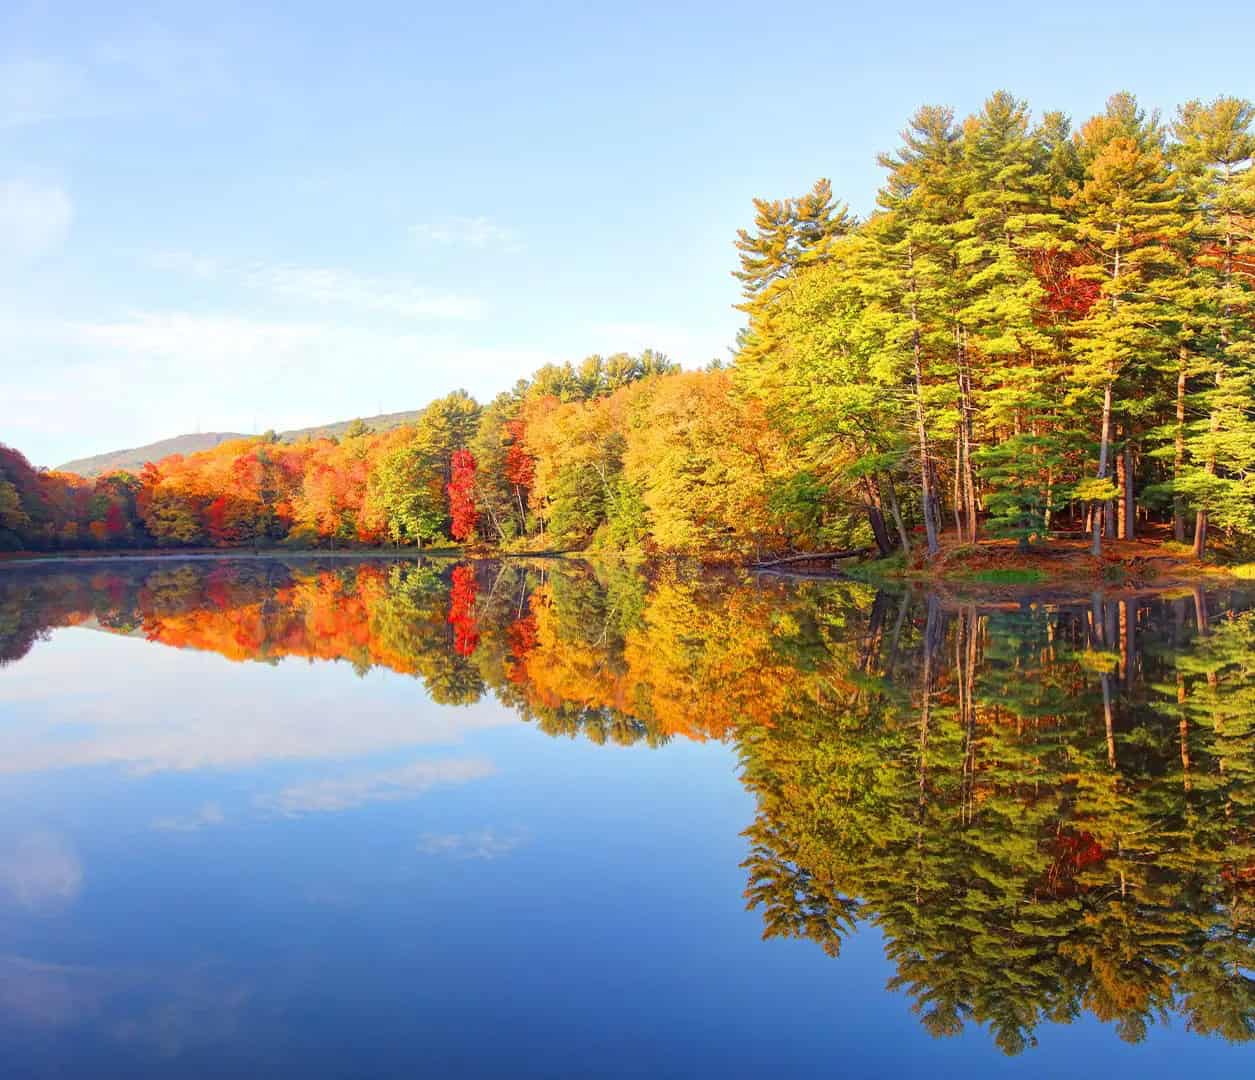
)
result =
(925, 463)
(876, 515)
(958, 491)
(1122, 480)
(1178, 461)
(1200, 521)
(969, 477)
(1130, 500)
(896, 511)
(1103, 452)
(1050, 499)
(877, 521)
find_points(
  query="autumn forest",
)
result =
(1038, 330)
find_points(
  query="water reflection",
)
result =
(1046, 809)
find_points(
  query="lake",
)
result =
(356, 818)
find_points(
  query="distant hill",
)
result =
(132, 460)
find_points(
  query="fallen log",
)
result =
(814, 556)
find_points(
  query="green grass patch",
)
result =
(1175, 547)
(1245, 571)
(876, 570)
(1014, 575)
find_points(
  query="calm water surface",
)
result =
(387, 819)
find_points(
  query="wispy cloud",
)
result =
(40, 870)
(321, 286)
(204, 267)
(34, 218)
(481, 844)
(475, 232)
(209, 814)
(358, 789)
(224, 372)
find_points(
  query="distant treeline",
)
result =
(1034, 324)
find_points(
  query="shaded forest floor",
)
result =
(1153, 560)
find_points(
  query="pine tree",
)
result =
(1007, 221)
(1127, 220)
(912, 275)
(1214, 154)
(788, 234)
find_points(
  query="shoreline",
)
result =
(984, 569)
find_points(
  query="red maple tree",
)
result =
(462, 495)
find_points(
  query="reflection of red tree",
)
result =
(462, 610)
(1073, 852)
(521, 637)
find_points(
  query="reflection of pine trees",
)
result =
(1043, 811)
(1046, 811)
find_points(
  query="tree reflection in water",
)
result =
(1047, 809)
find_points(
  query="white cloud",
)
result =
(482, 844)
(40, 870)
(244, 715)
(204, 267)
(346, 792)
(34, 218)
(321, 286)
(185, 370)
(317, 285)
(209, 814)
(475, 232)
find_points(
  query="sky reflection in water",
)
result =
(325, 819)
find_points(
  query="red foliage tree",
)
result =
(462, 495)
(1067, 296)
(115, 521)
(520, 466)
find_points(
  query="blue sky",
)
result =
(233, 218)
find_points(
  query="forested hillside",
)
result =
(1038, 329)
(135, 458)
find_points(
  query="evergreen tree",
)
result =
(1214, 152)
(1127, 220)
